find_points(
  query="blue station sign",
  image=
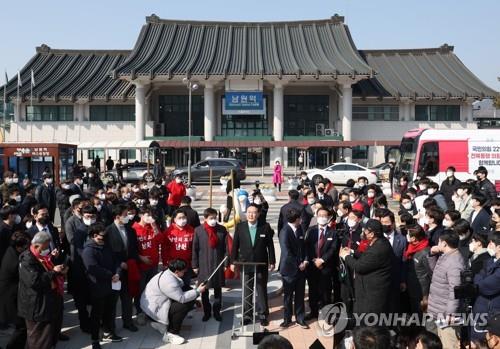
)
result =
(244, 102)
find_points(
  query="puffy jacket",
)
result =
(159, 293)
(446, 275)
(419, 275)
(100, 267)
(36, 297)
(488, 285)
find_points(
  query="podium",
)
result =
(248, 272)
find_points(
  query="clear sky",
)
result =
(473, 27)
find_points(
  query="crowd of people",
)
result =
(144, 245)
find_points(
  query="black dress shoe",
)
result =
(63, 337)
(303, 325)
(217, 316)
(131, 327)
(311, 316)
(205, 317)
(285, 324)
(264, 321)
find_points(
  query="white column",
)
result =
(347, 118)
(79, 112)
(140, 112)
(210, 122)
(468, 113)
(278, 120)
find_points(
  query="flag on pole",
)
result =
(32, 78)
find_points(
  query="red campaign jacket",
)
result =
(148, 244)
(178, 244)
(177, 192)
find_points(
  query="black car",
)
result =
(200, 172)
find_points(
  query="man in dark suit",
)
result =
(293, 202)
(398, 243)
(322, 246)
(480, 219)
(123, 242)
(326, 199)
(292, 269)
(193, 219)
(373, 270)
(45, 194)
(43, 223)
(253, 243)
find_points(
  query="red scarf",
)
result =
(212, 235)
(58, 282)
(412, 249)
(363, 245)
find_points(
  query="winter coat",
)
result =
(193, 218)
(278, 174)
(372, 277)
(46, 195)
(9, 281)
(445, 276)
(418, 277)
(159, 293)
(448, 188)
(176, 192)
(488, 286)
(486, 188)
(100, 267)
(206, 259)
(36, 298)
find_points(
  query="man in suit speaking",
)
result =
(254, 243)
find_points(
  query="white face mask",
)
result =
(91, 175)
(303, 178)
(15, 180)
(149, 220)
(408, 238)
(340, 213)
(181, 222)
(371, 194)
(65, 186)
(124, 220)
(153, 202)
(212, 222)
(462, 237)
(8, 180)
(98, 208)
(472, 247)
(29, 224)
(323, 220)
(426, 220)
(178, 180)
(352, 199)
(135, 190)
(431, 191)
(49, 180)
(492, 252)
(450, 173)
(102, 196)
(407, 206)
(361, 185)
(351, 223)
(311, 201)
(446, 223)
(45, 252)
(460, 192)
(89, 221)
(130, 217)
(17, 220)
(422, 187)
(18, 198)
(257, 201)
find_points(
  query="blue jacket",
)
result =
(488, 285)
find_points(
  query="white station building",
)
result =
(265, 91)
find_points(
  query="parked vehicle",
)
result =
(133, 171)
(200, 171)
(382, 171)
(430, 152)
(340, 173)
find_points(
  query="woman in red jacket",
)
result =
(149, 239)
(176, 191)
(179, 243)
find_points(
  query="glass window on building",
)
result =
(360, 152)
(375, 112)
(9, 114)
(112, 113)
(93, 153)
(437, 113)
(127, 154)
(244, 125)
(174, 113)
(49, 113)
(303, 113)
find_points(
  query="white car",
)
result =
(341, 172)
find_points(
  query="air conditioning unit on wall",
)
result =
(330, 132)
(320, 129)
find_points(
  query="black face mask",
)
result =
(43, 221)
(386, 229)
(321, 190)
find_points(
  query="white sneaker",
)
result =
(159, 327)
(173, 338)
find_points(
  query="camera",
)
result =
(466, 290)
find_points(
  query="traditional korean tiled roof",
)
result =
(171, 48)
(71, 74)
(420, 74)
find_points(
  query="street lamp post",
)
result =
(191, 87)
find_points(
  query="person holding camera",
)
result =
(488, 284)
(167, 300)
